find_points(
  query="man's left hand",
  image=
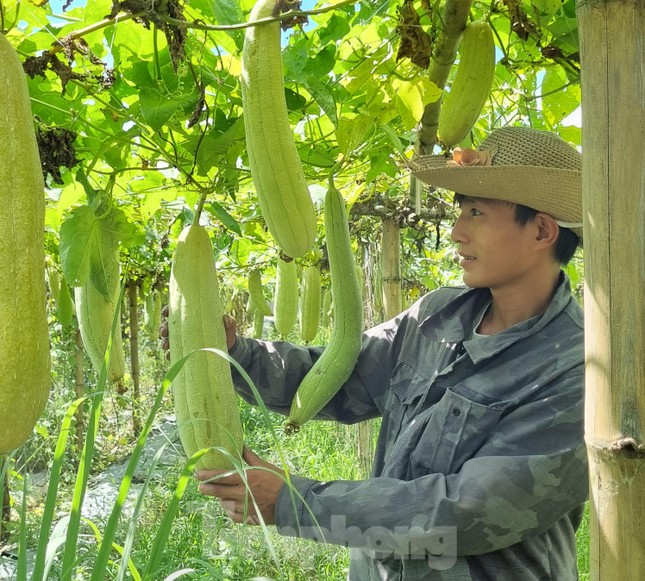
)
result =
(263, 481)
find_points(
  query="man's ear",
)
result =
(547, 229)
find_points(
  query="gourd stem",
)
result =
(200, 206)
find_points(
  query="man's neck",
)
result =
(510, 306)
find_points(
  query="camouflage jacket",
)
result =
(480, 470)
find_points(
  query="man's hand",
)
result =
(231, 331)
(229, 327)
(264, 481)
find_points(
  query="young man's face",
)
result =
(495, 251)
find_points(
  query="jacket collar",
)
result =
(453, 323)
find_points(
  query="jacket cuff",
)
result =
(241, 351)
(292, 516)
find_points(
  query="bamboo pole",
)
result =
(134, 353)
(391, 256)
(612, 39)
(364, 444)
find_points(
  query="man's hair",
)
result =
(566, 243)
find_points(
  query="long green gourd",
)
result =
(257, 299)
(337, 361)
(325, 318)
(275, 165)
(310, 303)
(258, 324)
(286, 297)
(152, 313)
(54, 282)
(95, 314)
(24, 336)
(205, 402)
(471, 87)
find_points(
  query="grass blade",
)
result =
(110, 529)
(83, 473)
(129, 540)
(38, 573)
(21, 568)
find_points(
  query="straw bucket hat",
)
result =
(516, 164)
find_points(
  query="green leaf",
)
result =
(156, 108)
(324, 97)
(139, 75)
(88, 245)
(548, 7)
(393, 138)
(241, 250)
(411, 98)
(75, 248)
(565, 31)
(229, 12)
(224, 217)
(295, 59)
(560, 98)
(313, 155)
(322, 64)
(351, 133)
(295, 101)
(336, 28)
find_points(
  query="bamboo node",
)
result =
(629, 447)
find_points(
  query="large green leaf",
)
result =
(324, 97)
(88, 245)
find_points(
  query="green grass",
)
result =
(202, 537)
(176, 528)
(582, 538)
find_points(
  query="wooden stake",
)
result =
(134, 353)
(391, 248)
(612, 40)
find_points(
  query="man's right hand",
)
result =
(231, 331)
(230, 328)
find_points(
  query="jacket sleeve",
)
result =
(277, 368)
(529, 474)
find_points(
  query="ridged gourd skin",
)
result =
(325, 316)
(274, 162)
(258, 324)
(24, 335)
(286, 297)
(152, 314)
(337, 361)
(94, 314)
(310, 303)
(54, 283)
(471, 86)
(205, 401)
(257, 299)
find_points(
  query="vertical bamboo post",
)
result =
(364, 448)
(391, 256)
(612, 39)
(134, 353)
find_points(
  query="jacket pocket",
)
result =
(453, 431)
(407, 388)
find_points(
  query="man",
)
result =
(480, 470)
